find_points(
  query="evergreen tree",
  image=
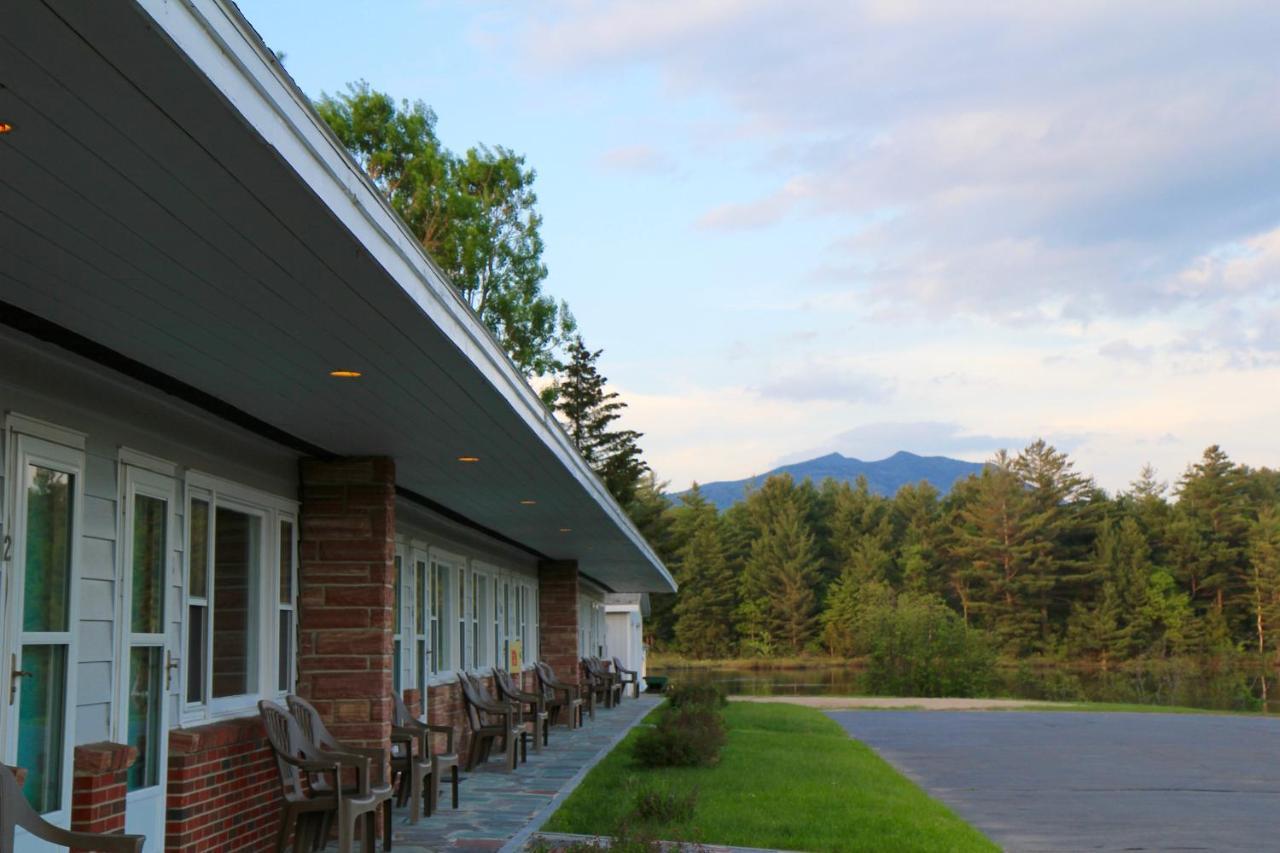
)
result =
(778, 585)
(1212, 527)
(589, 412)
(704, 613)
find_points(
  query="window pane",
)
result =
(145, 696)
(235, 573)
(395, 675)
(423, 597)
(41, 722)
(149, 523)
(195, 653)
(198, 549)
(285, 664)
(48, 558)
(286, 562)
(398, 589)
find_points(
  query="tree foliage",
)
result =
(474, 213)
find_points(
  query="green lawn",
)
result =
(788, 778)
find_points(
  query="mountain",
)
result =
(884, 476)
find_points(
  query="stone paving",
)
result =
(497, 808)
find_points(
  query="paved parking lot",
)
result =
(1082, 781)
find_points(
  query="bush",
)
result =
(690, 736)
(664, 805)
(696, 694)
(920, 647)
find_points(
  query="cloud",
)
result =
(1042, 160)
(826, 383)
(1123, 350)
(639, 159)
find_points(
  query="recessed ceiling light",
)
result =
(527, 502)
(345, 374)
(5, 127)
(566, 529)
(468, 458)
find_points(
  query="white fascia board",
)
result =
(225, 47)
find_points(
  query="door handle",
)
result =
(14, 675)
(170, 664)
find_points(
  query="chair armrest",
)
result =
(46, 831)
(441, 728)
(361, 763)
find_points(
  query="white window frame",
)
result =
(61, 449)
(270, 510)
(291, 607)
(454, 565)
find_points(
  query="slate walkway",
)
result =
(1091, 781)
(496, 807)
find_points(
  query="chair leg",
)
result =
(431, 792)
(454, 780)
(386, 825)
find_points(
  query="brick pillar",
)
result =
(558, 615)
(98, 786)
(347, 595)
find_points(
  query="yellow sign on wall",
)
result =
(517, 656)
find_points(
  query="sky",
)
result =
(803, 227)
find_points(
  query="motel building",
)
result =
(202, 505)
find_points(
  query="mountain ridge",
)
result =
(884, 476)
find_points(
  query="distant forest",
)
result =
(1031, 555)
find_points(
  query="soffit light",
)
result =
(345, 374)
(468, 459)
(5, 127)
(527, 502)
(566, 529)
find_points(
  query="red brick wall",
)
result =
(558, 615)
(99, 786)
(445, 706)
(224, 789)
(347, 595)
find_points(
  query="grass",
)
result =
(788, 778)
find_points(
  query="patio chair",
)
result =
(558, 696)
(489, 721)
(627, 676)
(306, 809)
(530, 705)
(420, 772)
(314, 729)
(16, 812)
(601, 682)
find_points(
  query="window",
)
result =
(398, 634)
(241, 597)
(421, 599)
(477, 655)
(285, 604)
(462, 618)
(439, 597)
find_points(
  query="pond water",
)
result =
(1189, 684)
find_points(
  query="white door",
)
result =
(148, 502)
(42, 558)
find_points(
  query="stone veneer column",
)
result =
(98, 787)
(558, 616)
(347, 595)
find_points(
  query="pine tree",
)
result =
(589, 412)
(779, 581)
(704, 624)
(1212, 524)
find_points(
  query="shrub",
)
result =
(696, 694)
(664, 805)
(689, 736)
(920, 647)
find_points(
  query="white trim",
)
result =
(223, 45)
(138, 459)
(247, 495)
(45, 430)
(23, 449)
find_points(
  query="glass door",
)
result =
(146, 666)
(45, 499)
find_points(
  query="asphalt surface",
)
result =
(1083, 781)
